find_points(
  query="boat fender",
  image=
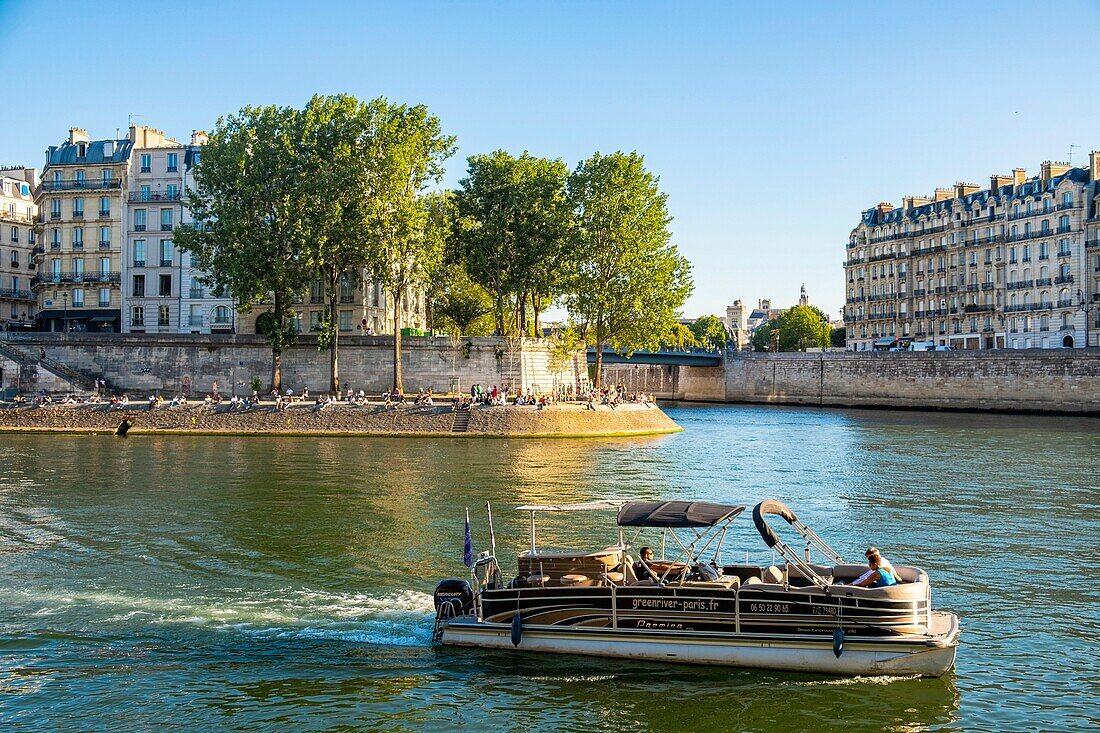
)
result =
(838, 642)
(517, 628)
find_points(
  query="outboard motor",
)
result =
(458, 594)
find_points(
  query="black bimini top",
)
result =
(675, 513)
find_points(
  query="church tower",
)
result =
(802, 299)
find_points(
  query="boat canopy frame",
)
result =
(772, 540)
(708, 522)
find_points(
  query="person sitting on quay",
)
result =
(124, 402)
(175, 402)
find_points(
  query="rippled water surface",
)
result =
(175, 583)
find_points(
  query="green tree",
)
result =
(407, 226)
(679, 337)
(629, 281)
(710, 332)
(801, 327)
(461, 305)
(337, 133)
(249, 234)
(839, 337)
(514, 223)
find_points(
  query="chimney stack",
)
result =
(997, 180)
(1052, 170)
(1094, 166)
(1019, 175)
(77, 135)
(942, 194)
(965, 189)
(199, 137)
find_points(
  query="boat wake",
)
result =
(400, 618)
(879, 679)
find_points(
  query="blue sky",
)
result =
(771, 126)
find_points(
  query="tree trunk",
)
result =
(334, 347)
(599, 364)
(535, 313)
(397, 384)
(276, 369)
(276, 338)
(521, 313)
(500, 311)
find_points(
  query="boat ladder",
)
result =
(446, 611)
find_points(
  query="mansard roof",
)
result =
(1031, 188)
(66, 153)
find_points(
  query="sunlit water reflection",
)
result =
(271, 584)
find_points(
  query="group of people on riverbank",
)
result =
(481, 395)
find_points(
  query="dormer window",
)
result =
(82, 150)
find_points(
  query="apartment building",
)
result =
(202, 309)
(79, 257)
(1014, 265)
(18, 219)
(363, 309)
(164, 292)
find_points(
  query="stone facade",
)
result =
(1015, 265)
(18, 219)
(79, 258)
(1033, 380)
(191, 364)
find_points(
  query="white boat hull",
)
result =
(792, 654)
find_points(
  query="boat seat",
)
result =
(753, 581)
(772, 575)
(726, 581)
(615, 577)
(574, 579)
(537, 580)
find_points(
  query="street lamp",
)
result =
(65, 311)
(1086, 306)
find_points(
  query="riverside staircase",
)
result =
(461, 421)
(29, 365)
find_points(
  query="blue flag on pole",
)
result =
(468, 544)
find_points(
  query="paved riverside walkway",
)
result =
(558, 420)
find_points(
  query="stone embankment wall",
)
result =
(140, 363)
(1061, 381)
(561, 420)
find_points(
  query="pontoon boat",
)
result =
(690, 606)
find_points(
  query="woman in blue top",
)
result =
(880, 575)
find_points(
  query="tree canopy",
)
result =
(249, 235)
(800, 328)
(710, 332)
(629, 281)
(513, 225)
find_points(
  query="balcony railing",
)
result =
(1027, 307)
(139, 197)
(978, 307)
(139, 263)
(13, 294)
(104, 245)
(104, 214)
(86, 184)
(1063, 279)
(139, 227)
(1033, 212)
(165, 227)
(1020, 284)
(13, 218)
(1040, 281)
(987, 286)
(46, 278)
(1065, 303)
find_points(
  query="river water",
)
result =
(208, 583)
